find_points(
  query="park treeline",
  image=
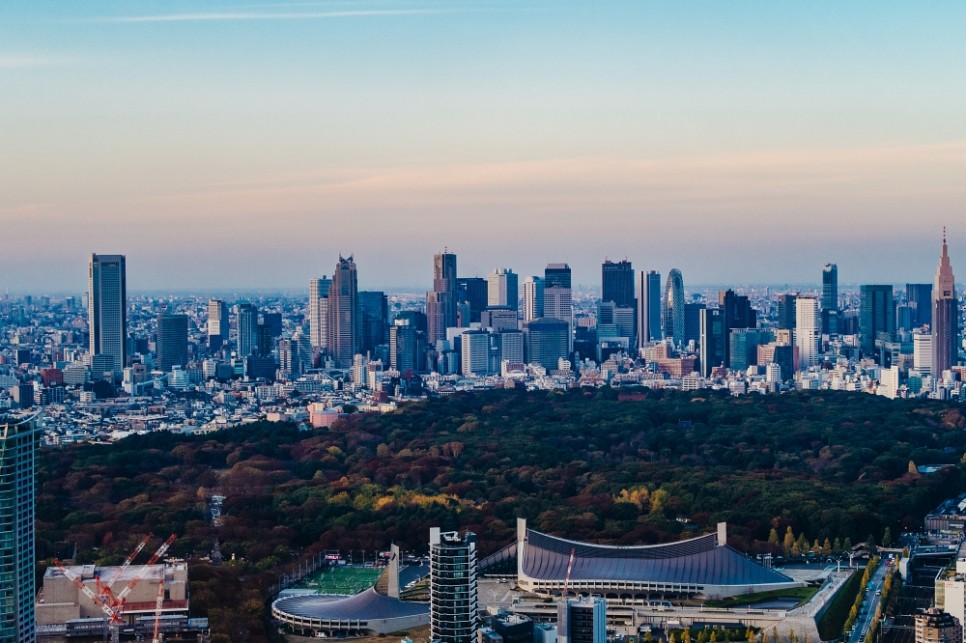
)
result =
(609, 466)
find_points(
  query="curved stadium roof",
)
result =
(369, 605)
(698, 561)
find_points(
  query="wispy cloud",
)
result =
(265, 15)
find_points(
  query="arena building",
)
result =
(373, 612)
(703, 567)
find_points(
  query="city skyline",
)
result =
(221, 144)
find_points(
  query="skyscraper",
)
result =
(945, 316)
(107, 308)
(471, 291)
(172, 345)
(617, 283)
(919, 298)
(452, 587)
(736, 312)
(319, 312)
(807, 331)
(786, 310)
(649, 307)
(441, 302)
(877, 318)
(532, 298)
(502, 288)
(247, 321)
(217, 324)
(558, 297)
(374, 311)
(830, 299)
(547, 342)
(711, 351)
(19, 437)
(344, 322)
(830, 287)
(674, 307)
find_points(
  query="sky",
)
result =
(246, 144)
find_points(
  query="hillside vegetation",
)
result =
(627, 468)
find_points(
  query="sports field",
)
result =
(341, 580)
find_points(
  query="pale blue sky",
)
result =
(229, 144)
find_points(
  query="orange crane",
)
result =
(113, 605)
(112, 615)
(157, 611)
(570, 568)
(127, 561)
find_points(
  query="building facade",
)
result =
(107, 308)
(218, 325)
(19, 437)
(172, 345)
(344, 327)
(319, 312)
(807, 331)
(452, 587)
(877, 318)
(945, 316)
(674, 307)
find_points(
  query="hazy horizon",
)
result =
(249, 144)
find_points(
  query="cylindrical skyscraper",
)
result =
(674, 307)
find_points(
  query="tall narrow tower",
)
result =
(674, 307)
(319, 312)
(107, 308)
(452, 587)
(945, 315)
(344, 320)
(441, 302)
(19, 436)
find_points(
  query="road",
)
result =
(873, 595)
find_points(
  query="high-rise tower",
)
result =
(452, 587)
(344, 320)
(830, 298)
(247, 320)
(217, 324)
(945, 316)
(319, 312)
(558, 297)
(107, 308)
(441, 302)
(172, 345)
(617, 283)
(532, 298)
(502, 288)
(674, 307)
(649, 307)
(19, 437)
(877, 318)
(807, 331)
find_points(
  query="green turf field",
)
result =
(341, 580)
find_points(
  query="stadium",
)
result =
(704, 568)
(700, 568)
(372, 612)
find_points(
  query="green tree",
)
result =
(887, 537)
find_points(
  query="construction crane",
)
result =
(156, 638)
(98, 600)
(570, 568)
(127, 561)
(113, 604)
